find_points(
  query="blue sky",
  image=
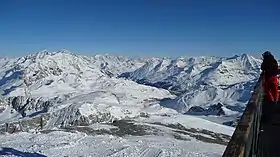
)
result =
(140, 27)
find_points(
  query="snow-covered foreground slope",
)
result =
(147, 137)
(58, 144)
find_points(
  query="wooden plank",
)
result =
(240, 139)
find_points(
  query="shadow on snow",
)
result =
(11, 151)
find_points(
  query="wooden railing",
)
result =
(244, 140)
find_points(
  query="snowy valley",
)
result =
(63, 104)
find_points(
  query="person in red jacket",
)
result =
(269, 69)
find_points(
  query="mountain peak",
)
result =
(245, 56)
(44, 53)
(40, 54)
(65, 52)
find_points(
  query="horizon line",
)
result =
(63, 50)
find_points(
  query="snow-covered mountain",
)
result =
(65, 91)
(61, 72)
(78, 82)
(202, 81)
(196, 84)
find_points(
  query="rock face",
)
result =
(29, 106)
(215, 109)
(35, 115)
(196, 110)
(72, 116)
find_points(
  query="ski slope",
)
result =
(59, 143)
(159, 139)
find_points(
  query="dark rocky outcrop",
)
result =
(215, 109)
(31, 105)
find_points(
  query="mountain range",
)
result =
(70, 90)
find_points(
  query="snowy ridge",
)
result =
(116, 64)
(202, 81)
(61, 70)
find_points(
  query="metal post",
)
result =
(7, 127)
(41, 122)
